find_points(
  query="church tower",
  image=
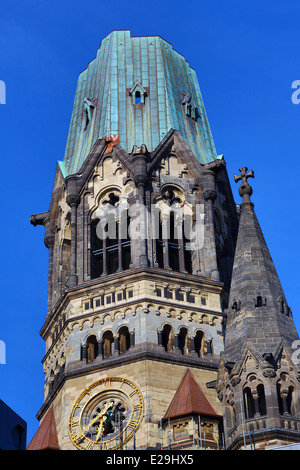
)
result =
(258, 380)
(141, 232)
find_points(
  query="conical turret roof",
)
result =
(189, 400)
(46, 436)
(258, 313)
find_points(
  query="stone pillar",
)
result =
(73, 201)
(210, 194)
(179, 227)
(140, 180)
(159, 338)
(100, 349)
(120, 257)
(209, 345)
(84, 352)
(103, 223)
(49, 243)
(117, 344)
(165, 238)
(256, 403)
(132, 338)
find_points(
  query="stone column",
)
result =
(256, 403)
(140, 180)
(100, 349)
(120, 257)
(165, 238)
(73, 201)
(84, 352)
(49, 243)
(117, 344)
(179, 226)
(210, 194)
(132, 338)
(159, 338)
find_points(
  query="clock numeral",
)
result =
(133, 393)
(132, 423)
(104, 445)
(136, 407)
(75, 422)
(90, 445)
(106, 384)
(79, 438)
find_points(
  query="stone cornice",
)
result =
(131, 275)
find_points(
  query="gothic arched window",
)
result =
(249, 403)
(285, 393)
(92, 348)
(173, 249)
(183, 341)
(110, 242)
(124, 339)
(108, 340)
(167, 338)
(254, 400)
(199, 343)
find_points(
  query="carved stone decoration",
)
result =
(269, 373)
(235, 380)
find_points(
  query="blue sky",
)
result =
(246, 55)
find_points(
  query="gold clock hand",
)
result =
(100, 428)
(102, 412)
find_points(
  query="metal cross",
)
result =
(244, 175)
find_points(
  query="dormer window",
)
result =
(137, 97)
(190, 107)
(138, 93)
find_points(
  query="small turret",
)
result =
(260, 334)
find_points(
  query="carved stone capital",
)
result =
(209, 194)
(73, 200)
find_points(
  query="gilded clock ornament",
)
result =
(106, 415)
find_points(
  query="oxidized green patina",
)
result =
(138, 88)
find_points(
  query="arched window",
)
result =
(167, 338)
(261, 400)
(110, 242)
(92, 348)
(108, 340)
(255, 401)
(173, 248)
(199, 343)
(124, 339)
(249, 404)
(285, 399)
(183, 341)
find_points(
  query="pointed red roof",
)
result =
(46, 437)
(189, 399)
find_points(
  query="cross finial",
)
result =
(245, 189)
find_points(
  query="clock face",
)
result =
(106, 415)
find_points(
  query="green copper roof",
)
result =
(106, 101)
